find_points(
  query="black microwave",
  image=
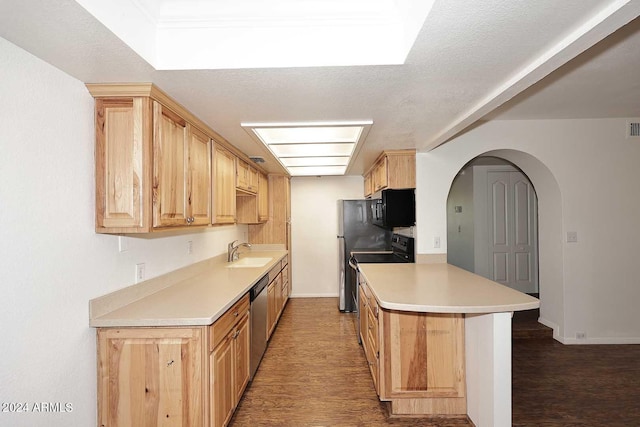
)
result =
(394, 208)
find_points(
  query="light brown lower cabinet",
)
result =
(229, 370)
(416, 359)
(278, 292)
(187, 377)
(151, 376)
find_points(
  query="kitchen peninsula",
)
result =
(438, 340)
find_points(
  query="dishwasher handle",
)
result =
(258, 287)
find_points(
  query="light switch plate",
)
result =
(123, 243)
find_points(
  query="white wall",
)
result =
(585, 175)
(314, 227)
(51, 261)
(460, 228)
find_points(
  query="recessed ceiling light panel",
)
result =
(314, 161)
(311, 148)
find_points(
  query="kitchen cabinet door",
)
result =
(424, 355)
(169, 168)
(272, 308)
(380, 175)
(150, 376)
(362, 312)
(368, 185)
(242, 348)
(199, 177)
(221, 384)
(225, 186)
(123, 164)
(263, 198)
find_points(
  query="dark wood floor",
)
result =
(314, 374)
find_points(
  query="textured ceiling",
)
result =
(469, 58)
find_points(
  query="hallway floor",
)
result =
(314, 373)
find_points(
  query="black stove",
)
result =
(402, 251)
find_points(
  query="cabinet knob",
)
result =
(235, 314)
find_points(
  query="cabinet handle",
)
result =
(235, 314)
(190, 220)
(236, 334)
(376, 312)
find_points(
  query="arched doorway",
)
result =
(437, 171)
(492, 221)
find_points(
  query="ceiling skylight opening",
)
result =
(232, 34)
(308, 149)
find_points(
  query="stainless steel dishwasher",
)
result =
(258, 297)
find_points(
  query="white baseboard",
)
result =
(601, 340)
(585, 341)
(555, 327)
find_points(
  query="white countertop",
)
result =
(441, 288)
(192, 300)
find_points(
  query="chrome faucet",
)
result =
(232, 250)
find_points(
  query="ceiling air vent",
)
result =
(633, 129)
(257, 159)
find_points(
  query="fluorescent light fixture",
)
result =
(314, 161)
(310, 134)
(317, 170)
(311, 148)
(228, 34)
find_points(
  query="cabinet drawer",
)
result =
(373, 304)
(225, 323)
(273, 273)
(372, 329)
(285, 275)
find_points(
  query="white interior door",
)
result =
(512, 230)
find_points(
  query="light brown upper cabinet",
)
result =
(247, 177)
(181, 171)
(392, 169)
(277, 230)
(123, 165)
(225, 186)
(254, 208)
(155, 167)
(263, 198)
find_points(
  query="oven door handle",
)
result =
(352, 265)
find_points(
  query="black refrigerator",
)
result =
(356, 232)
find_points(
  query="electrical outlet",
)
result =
(581, 336)
(189, 247)
(139, 272)
(572, 237)
(436, 242)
